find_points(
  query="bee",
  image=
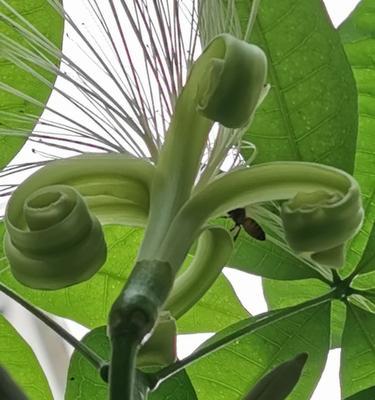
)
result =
(251, 227)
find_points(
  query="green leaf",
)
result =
(358, 36)
(20, 362)
(338, 317)
(281, 294)
(177, 387)
(362, 302)
(84, 382)
(268, 260)
(367, 263)
(231, 371)
(358, 352)
(364, 281)
(310, 113)
(44, 18)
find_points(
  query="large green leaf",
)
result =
(88, 303)
(19, 360)
(310, 113)
(44, 18)
(358, 35)
(229, 373)
(358, 352)
(84, 382)
(281, 294)
(289, 293)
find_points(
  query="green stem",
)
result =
(122, 370)
(86, 352)
(258, 323)
(132, 317)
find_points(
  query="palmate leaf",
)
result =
(310, 113)
(83, 380)
(358, 352)
(218, 308)
(358, 36)
(230, 372)
(20, 362)
(44, 18)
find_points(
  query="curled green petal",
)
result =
(53, 238)
(320, 222)
(215, 246)
(61, 243)
(234, 82)
(329, 189)
(115, 186)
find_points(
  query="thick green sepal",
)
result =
(59, 244)
(8, 388)
(280, 382)
(160, 349)
(234, 82)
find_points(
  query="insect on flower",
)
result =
(251, 227)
